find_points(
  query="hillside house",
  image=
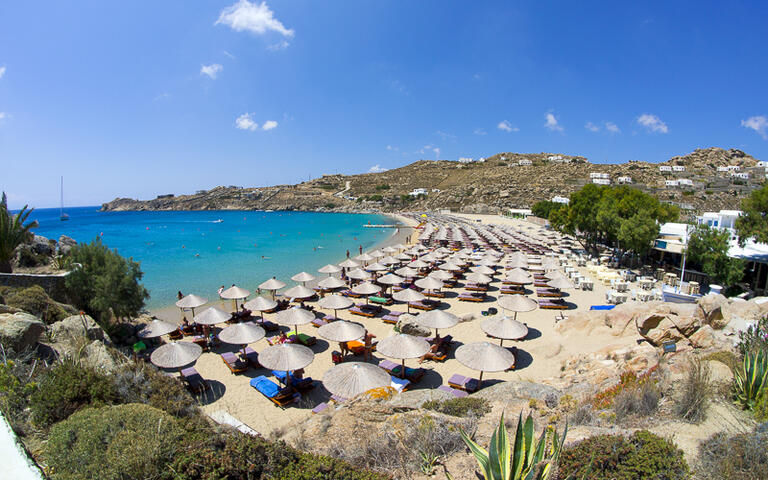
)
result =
(722, 169)
(520, 212)
(762, 164)
(670, 183)
(525, 162)
(684, 182)
(601, 181)
(559, 199)
(740, 175)
(665, 168)
(466, 159)
(595, 175)
(678, 168)
(624, 180)
(733, 168)
(418, 191)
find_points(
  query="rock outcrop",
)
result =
(20, 330)
(407, 324)
(78, 326)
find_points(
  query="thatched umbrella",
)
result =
(191, 302)
(286, 357)
(403, 346)
(407, 296)
(366, 288)
(407, 272)
(349, 263)
(504, 328)
(376, 267)
(389, 260)
(242, 334)
(359, 274)
(478, 278)
(299, 291)
(483, 270)
(176, 354)
(437, 319)
(261, 305)
(429, 283)
(303, 277)
(364, 257)
(235, 293)
(517, 303)
(295, 316)
(335, 302)
(418, 264)
(272, 284)
(157, 328)
(485, 357)
(211, 316)
(329, 269)
(449, 266)
(554, 274)
(341, 331)
(440, 275)
(348, 380)
(518, 276)
(330, 283)
(560, 283)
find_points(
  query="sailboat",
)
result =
(62, 216)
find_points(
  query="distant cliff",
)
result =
(504, 180)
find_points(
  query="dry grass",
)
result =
(696, 391)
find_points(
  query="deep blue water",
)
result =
(194, 253)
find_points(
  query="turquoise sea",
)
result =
(197, 252)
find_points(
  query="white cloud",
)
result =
(276, 47)
(393, 149)
(2, 115)
(377, 169)
(211, 70)
(252, 17)
(430, 148)
(551, 123)
(506, 126)
(245, 122)
(757, 123)
(480, 131)
(2, 71)
(228, 54)
(269, 125)
(592, 127)
(652, 123)
(446, 136)
(437, 151)
(612, 127)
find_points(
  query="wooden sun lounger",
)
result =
(512, 291)
(549, 305)
(424, 305)
(350, 293)
(545, 292)
(412, 374)
(356, 310)
(252, 357)
(234, 364)
(434, 293)
(476, 287)
(303, 338)
(471, 297)
(281, 397)
(376, 300)
(358, 348)
(463, 383)
(300, 384)
(193, 380)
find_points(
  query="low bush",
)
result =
(113, 442)
(460, 407)
(141, 383)
(16, 385)
(627, 380)
(738, 457)
(726, 357)
(34, 300)
(67, 387)
(696, 392)
(641, 400)
(640, 456)
(754, 338)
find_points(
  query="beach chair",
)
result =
(252, 357)
(476, 287)
(193, 380)
(552, 305)
(380, 300)
(424, 305)
(390, 319)
(281, 397)
(350, 293)
(388, 365)
(303, 339)
(234, 364)
(413, 374)
(320, 408)
(269, 326)
(300, 384)
(461, 382)
(399, 384)
(358, 348)
(471, 297)
(201, 340)
(175, 335)
(548, 292)
(453, 391)
(433, 293)
(319, 322)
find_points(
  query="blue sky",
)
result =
(143, 98)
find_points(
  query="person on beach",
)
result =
(344, 347)
(360, 249)
(347, 253)
(180, 295)
(221, 289)
(368, 339)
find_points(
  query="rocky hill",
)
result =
(504, 180)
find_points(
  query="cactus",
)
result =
(750, 380)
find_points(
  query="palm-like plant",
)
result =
(751, 379)
(505, 462)
(13, 232)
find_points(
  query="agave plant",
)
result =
(503, 461)
(751, 379)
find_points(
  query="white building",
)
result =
(740, 175)
(466, 159)
(525, 161)
(520, 212)
(624, 180)
(722, 169)
(601, 181)
(733, 168)
(684, 182)
(481, 160)
(665, 168)
(762, 163)
(595, 175)
(670, 183)
(678, 168)
(559, 199)
(435, 190)
(418, 191)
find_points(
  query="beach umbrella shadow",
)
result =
(215, 391)
(430, 380)
(320, 346)
(523, 359)
(533, 333)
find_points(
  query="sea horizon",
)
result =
(198, 251)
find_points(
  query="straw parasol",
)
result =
(211, 316)
(403, 346)
(303, 277)
(389, 250)
(176, 354)
(437, 319)
(364, 257)
(517, 262)
(504, 328)
(403, 257)
(192, 302)
(330, 283)
(484, 356)
(341, 331)
(329, 269)
(483, 269)
(235, 293)
(335, 302)
(560, 283)
(378, 254)
(295, 316)
(440, 275)
(407, 296)
(389, 260)
(517, 303)
(359, 274)
(452, 267)
(242, 334)
(349, 263)
(272, 284)
(299, 291)
(157, 328)
(478, 278)
(407, 272)
(286, 357)
(376, 267)
(429, 283)
(261, 305)
(554, 274)
(518, 276)
(418, 264)
(348, 380)
(391, 279)
(366, 288)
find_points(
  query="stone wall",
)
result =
(53, 284)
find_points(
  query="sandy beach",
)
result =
(540, 354)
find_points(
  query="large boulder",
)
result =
(506, 391)
(746, 311)
(716, 310)
(42, 246)
(407, 324)
(97, 355)
(623, 315)
(687, 317)
(65, 244)
(78, 326)
(21, 330)
(703, 337)
(663, 331)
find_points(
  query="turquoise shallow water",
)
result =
(196, 253)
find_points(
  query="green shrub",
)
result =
(460, 407)
(641, 400)
(382, 187)
(113, 442)
(15, 389)
(641, 456)
(65, 389)
(738, 457)
(141, 383)
(754, 338)
(697, 389)
(34, 300)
